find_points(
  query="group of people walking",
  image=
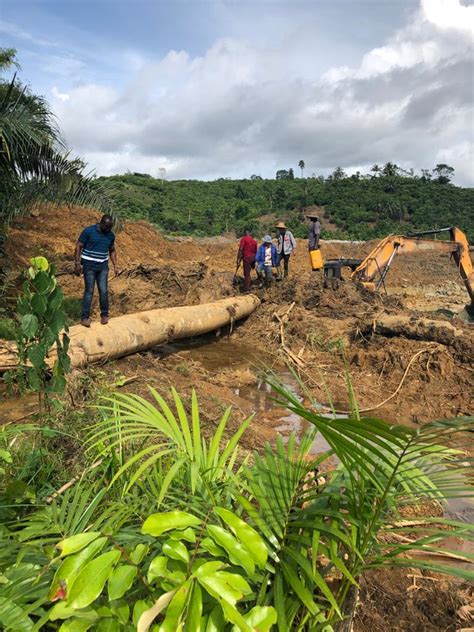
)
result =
(268, 255)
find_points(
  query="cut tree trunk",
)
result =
(131, 333)
(443, 332)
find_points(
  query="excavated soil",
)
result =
(315, 327)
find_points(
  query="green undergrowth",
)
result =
(72, 307)
(7, 328)
(157, 526)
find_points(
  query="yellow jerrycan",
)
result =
(316, 259)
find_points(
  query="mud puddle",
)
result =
(217, 355)
(265, 399)
(13, 409)
(214, 354)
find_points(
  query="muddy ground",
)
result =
(419, 380)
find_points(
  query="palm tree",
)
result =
(339, 174)
(301, 165)
(376, 169)
(34, 163)
(390, 169)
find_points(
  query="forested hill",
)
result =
(356, 207)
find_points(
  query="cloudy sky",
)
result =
(221, 88)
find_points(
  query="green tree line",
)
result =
(360, 206)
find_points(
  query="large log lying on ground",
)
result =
(443, 332)
(131, 333)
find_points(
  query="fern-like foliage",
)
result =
(164, 449)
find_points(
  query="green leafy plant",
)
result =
(353, 521)
(191, 541)
(178, 569)
(41, 325)
(175, 451)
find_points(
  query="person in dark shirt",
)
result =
(246, 254)
(314, 232)
(93, 248)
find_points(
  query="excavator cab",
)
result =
(333, 267)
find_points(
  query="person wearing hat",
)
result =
(286, 246)
(266, 259)
(314, 232)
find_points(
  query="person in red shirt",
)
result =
(247, 252)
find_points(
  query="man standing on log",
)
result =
(93, 248)
(247, 252)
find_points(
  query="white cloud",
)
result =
(449, 14)
(60, 96)
(239, 108)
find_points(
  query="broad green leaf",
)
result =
(108, 625)
(76, 625)
(224, 585)
(233, 616)
(5, 456)
(158, 568)
(120, 609)
(216, 621)
(29, 325)
(207, 568)
(176, 551)
(36, 355)
(34, 379)
(148, 616)
(69, 569)
(139, 608)
(91, 579)
(138, 553)
(159, 523)
(188, 535)
(120, 580)
(209, 545)
(76, 542)
(238, 554)
(40, 263)
(39, 304)
(260, 618)
(43, 282)
(247, 536)
(175, 609)
(61, 610)
(194, 614)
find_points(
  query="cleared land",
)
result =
(318, 330)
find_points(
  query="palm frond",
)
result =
(155, 435)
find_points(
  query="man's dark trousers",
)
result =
(249, 263)
(91, 277)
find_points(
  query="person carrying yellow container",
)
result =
(314, 234)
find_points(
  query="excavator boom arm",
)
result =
(373, 269)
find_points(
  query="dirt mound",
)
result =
(418, 602)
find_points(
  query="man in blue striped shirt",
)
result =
(93, 248)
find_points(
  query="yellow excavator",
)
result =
(372, 271)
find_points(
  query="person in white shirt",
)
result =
(266, 259)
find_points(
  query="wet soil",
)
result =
(418, 380)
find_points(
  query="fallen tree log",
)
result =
(426, 329)
(131, 333)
